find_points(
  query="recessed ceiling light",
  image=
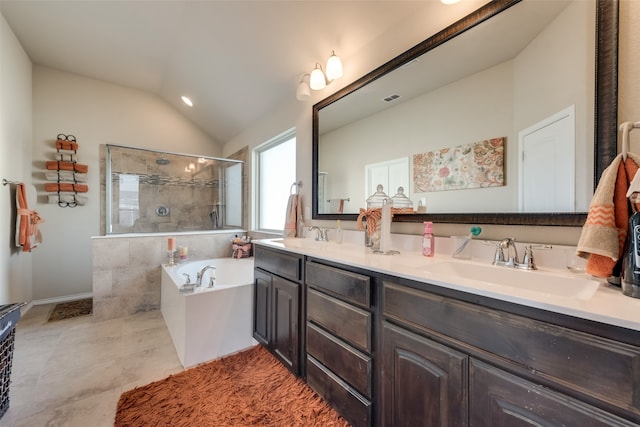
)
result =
(187, 101)
(449, 1)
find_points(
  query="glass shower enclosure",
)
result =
(154, 192)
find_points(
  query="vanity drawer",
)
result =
(349, 403)
(283, 264)
(348, 363)
(352, 287)
(344, 320)
(591, 365)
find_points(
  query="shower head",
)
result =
(162, 161)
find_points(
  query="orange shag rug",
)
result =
(250, 388)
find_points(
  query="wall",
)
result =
(96, 113)
(16, 283)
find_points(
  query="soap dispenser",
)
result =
(428, 241)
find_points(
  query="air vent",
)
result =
(391, 98)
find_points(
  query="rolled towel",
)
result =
(62, 166)
(80, 168)
(59, 176)
(66, 186)
(67, 166)
(62, 144)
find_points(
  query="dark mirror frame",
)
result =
(605, 123)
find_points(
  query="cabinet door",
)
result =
(500, 399)
(262, 307)
(286, 296)
(423, 383)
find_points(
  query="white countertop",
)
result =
(606, 305)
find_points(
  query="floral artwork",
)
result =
(477, 165)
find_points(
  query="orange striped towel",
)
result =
(62, 144)
(67, 166)
(605, 230)
(28, 235)
(66, 186)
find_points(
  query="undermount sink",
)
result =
(535, 281)
(295, 242)
(292, 241)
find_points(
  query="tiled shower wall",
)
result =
(127, 270)
(165, 182)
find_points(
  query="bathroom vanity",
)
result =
(276, 301)
(400, 340)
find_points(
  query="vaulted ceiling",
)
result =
(237, 60)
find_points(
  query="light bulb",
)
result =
(317, 79)
(334, 67)
(187, 101)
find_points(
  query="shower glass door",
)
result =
(152, 192)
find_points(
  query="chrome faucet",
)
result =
(321, 233)
(511, 259)
(512, 253)
(201, 275)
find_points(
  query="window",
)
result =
(275, 171)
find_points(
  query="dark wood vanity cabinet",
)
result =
(503, 399)
(450, 362)
(423, 383)
(389, 351)
(339, 341)
(277, 293)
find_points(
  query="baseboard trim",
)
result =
(66, 298)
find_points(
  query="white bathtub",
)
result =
(209, 323)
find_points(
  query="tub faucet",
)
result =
(201, 275)
(321, 233)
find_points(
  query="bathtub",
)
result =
(209, 323)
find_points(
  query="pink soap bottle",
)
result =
(428, 241)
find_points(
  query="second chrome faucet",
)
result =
(321, 233)
(511, 260)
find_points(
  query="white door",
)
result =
(391, 174)
(546, 164)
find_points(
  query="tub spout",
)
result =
(201, 275)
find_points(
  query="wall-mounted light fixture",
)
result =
(319, 78)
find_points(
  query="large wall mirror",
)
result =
(517, 76)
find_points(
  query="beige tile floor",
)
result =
(72, 372)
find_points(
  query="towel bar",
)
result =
(8, 182)
(625, 128)
(297, 186)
